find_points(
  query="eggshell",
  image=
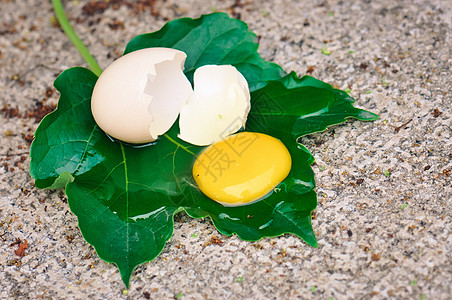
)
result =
(139, 96)
(218, 107)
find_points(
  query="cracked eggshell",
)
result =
(139, 96)
(218, 107)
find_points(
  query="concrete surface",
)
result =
(384, 217)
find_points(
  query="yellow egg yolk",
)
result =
(242, 168)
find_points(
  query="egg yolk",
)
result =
(242, 168)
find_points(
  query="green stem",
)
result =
(178, 144)
(66, 26)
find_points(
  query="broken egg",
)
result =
(139, 97)
(242, 168)
(218, 107)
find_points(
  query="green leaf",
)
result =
(125, 197)
(212, 39)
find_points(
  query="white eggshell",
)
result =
(218, 107)
(139, 96)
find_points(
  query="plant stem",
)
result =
(178, 144)
(66, 26)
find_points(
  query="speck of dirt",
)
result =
(214, 240)
(116, 24)
(310, 70)
(363, 66)
(22, 247)
(70, 238)
(10, 112)
(445, 172)
(49, 92)
(376, 256)
(98, 7)
(436, 113)
(16, 242)
(28, 138)
(234, 6)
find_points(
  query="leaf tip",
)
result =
(314, 243)
(125, 273)
(365, 115)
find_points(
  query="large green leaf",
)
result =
(125, 197)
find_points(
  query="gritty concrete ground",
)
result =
(384, 219)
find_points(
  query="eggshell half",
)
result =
(218, 107)
(139, 96)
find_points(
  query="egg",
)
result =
(218, 107)
(241, 168)
(140, 96)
